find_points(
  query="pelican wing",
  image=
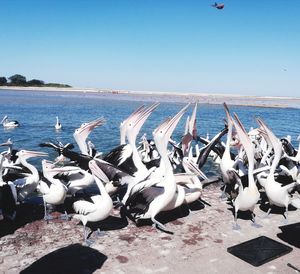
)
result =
(84, 207)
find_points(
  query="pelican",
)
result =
(248, 196)
(78, 179)
(53, 190)
(296, 158)
(81, 134)
(100, 207)
(58, 124)
(193, 186)
(124, 124)
(226, 161)
(277, 194)
(164, 197)
(9, 124)
(126, 156)
(28, 184)
(218, 6)
(8, 196)
(132, 131)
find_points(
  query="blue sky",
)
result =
(249, 47)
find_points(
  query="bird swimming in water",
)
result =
(9, 124)
(58, 124)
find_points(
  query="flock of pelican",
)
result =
(155, 175)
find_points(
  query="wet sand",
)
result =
(199, 244)
(204, 98)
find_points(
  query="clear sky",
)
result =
(250, 47)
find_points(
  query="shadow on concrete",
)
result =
(290, 234)
(73, 259)
(26, 213)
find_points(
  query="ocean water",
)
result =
(36, 112)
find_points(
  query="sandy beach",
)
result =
(199, 244)
(203, 98)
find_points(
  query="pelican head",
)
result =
(97, 172)
(136, 122)
(165, 129)
(49, 167)
(26, 154)
(4, 118)
(86, 128)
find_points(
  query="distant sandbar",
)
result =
(202, 98)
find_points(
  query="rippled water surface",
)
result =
(36, 112)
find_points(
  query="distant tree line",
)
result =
(20, 81)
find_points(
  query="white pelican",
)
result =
(226, 161)
(28, 184)
(53, 190)
(248, 196)
(296, 158)
(124, 124)
(58, 124)
(164, 197)
(134, 125)
(192, 186)
(100, 207)
(8, 196)
(79, 179)
(277, 194)
(81, 134)
(9, 124)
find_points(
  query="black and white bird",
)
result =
(9, 124)
(100, 206)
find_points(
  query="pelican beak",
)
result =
(31, 153)
(229, 119)
(193, 167)
(51, 166)
(172, 123)
(192, 122)
(273, 139)
(97, 172)
(91, 125)
(3, 119)
(7, 143)
(133, 115)
(65, 169)
(142, 117)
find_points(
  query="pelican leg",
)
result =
(286, 216)
(160, 226)
(85, 236)
(100, 233)
(236, 226)
(223, 195)
(268, 213)
(47, 216)
(254, 223)
(64, 216)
